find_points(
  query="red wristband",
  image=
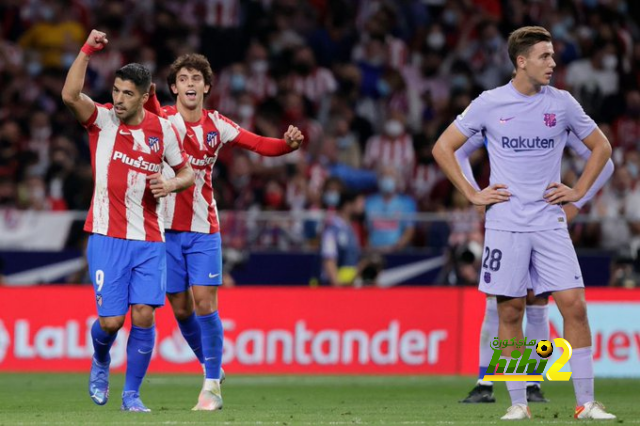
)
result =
(90, 50)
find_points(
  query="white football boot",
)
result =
(517, 412)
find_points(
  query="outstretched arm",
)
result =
(270, 147)
(80, 104)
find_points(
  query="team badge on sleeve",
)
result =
(154, 143)
(550, 120)
(212, 139)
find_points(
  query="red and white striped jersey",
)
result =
(194, 209)
(122, 157)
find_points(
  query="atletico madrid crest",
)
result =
(154, 143)
(212, 139)
(550, 120)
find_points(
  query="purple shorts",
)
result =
(544, 260)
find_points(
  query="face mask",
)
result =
(387, 185)
(331, 198)
(450, 17)
(237, 83)
(436, 40)
(383, 88)
(633, 169)
(459, 82)
(259, 67)
(34, 68)
(559, 31)
(245, 111)
(610, 61)
(493, 44)
(393, 128)
(46, 13)
(344, 142)
(67, 60)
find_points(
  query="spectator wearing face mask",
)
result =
(340, 248)
(393, 148)
(388, 214)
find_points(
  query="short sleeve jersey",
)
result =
(525, 138)
(122, 157)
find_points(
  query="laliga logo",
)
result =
(520, 361)
(4, 341)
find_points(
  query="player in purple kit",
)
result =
(537, 307)
(526, 123)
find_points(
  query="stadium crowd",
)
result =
(371, 84)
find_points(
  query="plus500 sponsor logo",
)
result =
(521, 144)
(138, 163)
(201, 162)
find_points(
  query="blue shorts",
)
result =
(193, 258)
(126, 272)
(544, 261)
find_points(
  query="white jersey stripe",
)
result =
(104, 151)
(136, 183)
(169, 207)
(200, 220)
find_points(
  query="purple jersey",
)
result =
(477, 141)
(526, 136)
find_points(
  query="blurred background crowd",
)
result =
(371, 83)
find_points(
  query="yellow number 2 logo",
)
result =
(554, 372)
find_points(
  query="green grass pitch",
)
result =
(61, 399)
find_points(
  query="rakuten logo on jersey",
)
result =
(303, 346)
(201, 162)
(521, 144)
(138, 163)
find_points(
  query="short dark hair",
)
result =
(522, 40)
(138, 74)
(190, 61)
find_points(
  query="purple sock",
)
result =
(488, 332)
(537, 328)
(581, 363)
(517, 392)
